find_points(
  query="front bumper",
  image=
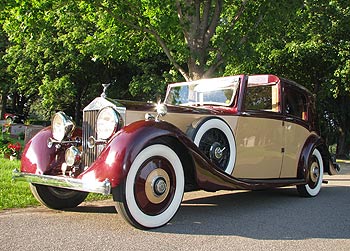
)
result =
(64, 182)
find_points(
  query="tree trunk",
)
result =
(195, 71)
(3, 104)
(199, 20)
(342, 145)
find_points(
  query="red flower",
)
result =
(15, 148)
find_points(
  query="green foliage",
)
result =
(58, 53)
(309, 44)
(4, 146)
(52, 90)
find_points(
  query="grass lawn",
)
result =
(13, 194)
(18, 194)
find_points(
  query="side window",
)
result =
(262, 98)
(295, 103)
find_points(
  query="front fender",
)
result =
(115, 160)
(36, 156)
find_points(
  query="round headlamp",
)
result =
(72, 156)
(62, 126)
(107, 123)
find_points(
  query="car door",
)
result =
(297, 111)
(259, 133)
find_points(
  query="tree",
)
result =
(3, 73)
(71, 47)
(197, 37)
(46, 59)
(314, 50)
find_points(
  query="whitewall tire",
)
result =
(153, 189)
(215, 139)
(313, 187)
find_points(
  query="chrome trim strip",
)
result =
(103, 187)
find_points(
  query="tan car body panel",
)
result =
(261, 137)
(182, 121)
(294, 139)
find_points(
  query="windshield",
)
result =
(216, 91)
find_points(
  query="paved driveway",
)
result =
(275, 219)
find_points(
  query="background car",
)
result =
(13, 117)
(237, 132)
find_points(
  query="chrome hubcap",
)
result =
(314, 172)
(216, 151)
(159, 186)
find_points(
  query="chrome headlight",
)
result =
(62, 126)
(108, 122)
(72, 156)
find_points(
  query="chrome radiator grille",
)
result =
(90, 113)
(89, 124)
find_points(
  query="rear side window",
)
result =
(262, 98)
(295, 103)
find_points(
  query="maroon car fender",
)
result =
(37, 157)
(115, 160)
(313, 142)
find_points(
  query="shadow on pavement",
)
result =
(94, 207)
(270, 215)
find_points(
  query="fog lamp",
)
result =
(73, 156)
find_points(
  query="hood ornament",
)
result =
(105, 86)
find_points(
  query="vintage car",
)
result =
(238, 132)
(13, 117)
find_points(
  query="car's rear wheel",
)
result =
(57, 198)
(153, 189)
(315, 173)
(215, 139)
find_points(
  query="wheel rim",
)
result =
(215, 145)
(314, 173)
(155, 185)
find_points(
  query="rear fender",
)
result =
(313, 142)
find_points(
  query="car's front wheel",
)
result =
(153, 189)
(315, 172)
(57, 198)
